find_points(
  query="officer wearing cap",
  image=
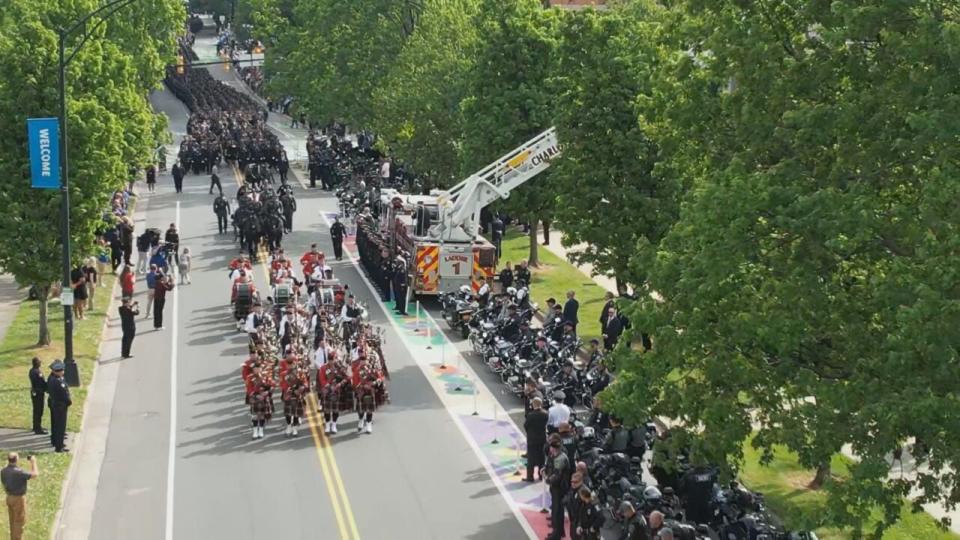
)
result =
(58, 401)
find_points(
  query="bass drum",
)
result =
(326, 296)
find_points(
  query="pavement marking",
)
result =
(318, 443)
(517, 510)
(328, 462)
(171, 449)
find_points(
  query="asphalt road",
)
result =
(414, 477)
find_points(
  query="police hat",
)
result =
(57, 365)
(559, 395)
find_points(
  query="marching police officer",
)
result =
(177, 173)
(59, 402)
(215, 180)
(38, 387)
(222, 209)
(337, 232)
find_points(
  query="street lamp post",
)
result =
(72, 372)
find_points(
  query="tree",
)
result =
(509, 100)
(612, 198)
(418, 103)
(111, 127)
(807, 293)
(334, 55)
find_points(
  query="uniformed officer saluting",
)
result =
(59, 401)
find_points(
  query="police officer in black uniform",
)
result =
(59, 402)
(177, 173)
(222, 209)
(400, 285)
(337, 232)
(215, 181)
(38, 387)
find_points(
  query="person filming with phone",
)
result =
(14, 481)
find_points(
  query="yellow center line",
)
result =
(328, 463)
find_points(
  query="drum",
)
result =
(325, 296)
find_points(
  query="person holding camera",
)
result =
(14, 481)
(164, 284)
(128, 324)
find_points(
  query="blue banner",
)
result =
(43, 135)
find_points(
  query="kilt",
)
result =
(293, 407)
(336, 401)
(261, 406)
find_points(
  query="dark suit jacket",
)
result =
(612, 330)
(536, 427)
(604, 313)
(570, 309)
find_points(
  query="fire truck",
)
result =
(439, 233)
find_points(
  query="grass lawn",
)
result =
(19, 346)
(43, 496)
(783, 484)
(554, 278)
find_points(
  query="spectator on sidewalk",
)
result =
(14, 481)
(128, 325)
(184, 265)
(152, 178)
(38, 387)
(152, 276)
(143, 252)
(127, 281)
(164, 283)
(89, 269)
(79, 284)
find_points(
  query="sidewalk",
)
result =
(10, 298)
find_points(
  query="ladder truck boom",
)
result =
(460, 205)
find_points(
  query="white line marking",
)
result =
(171, 449)
(426, 370)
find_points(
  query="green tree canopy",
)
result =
(609, 195)
(807, 288)
(418, 104)
(509, 99)
(111, 125)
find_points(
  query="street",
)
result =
(204, 477)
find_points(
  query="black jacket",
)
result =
(37, 383)
(612, 331)
(59, 392)
(570, 310)
(128, 318)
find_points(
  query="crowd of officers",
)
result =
(224, 124)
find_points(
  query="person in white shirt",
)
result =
(558, 414)
(254, 320)
(483, 294)
(385, 169)
(322, 355)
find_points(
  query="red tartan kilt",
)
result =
(379, 392)
(293, 407)
(262, 408)
(342, 402)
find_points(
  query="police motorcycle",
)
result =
(459, 309)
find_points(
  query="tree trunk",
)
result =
(533, 259)
(43, 328)
(546, 232)
(823, 473)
